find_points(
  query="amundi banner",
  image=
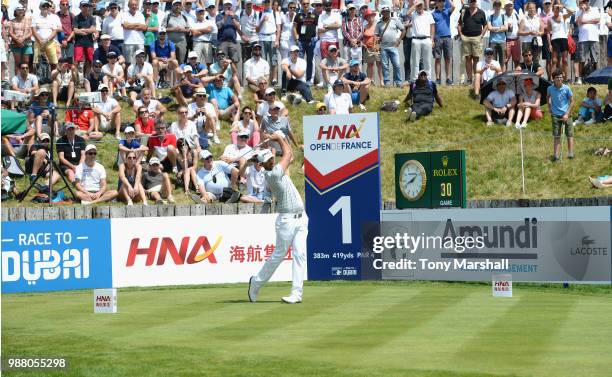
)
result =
(533, 244)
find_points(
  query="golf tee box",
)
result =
(105, 300)
(502, 285)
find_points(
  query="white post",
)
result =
(522, 161)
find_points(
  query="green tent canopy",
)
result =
(13, 122)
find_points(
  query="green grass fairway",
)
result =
(342, 329)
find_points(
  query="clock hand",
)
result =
(413, 178)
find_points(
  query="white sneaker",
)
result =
(284, 98)
(362, 107)
(218, 125)
(579, 81)
(320, 85)
(596, 183)
(253, 290)
(589, 122)
(216, 139)
(297, 100)
(85, 202)
(293, 299)
(413, 116)
(130, 202)
(578, 122)
(210, 135)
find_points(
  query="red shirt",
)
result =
(148, 128)
(163, 141)
(80, 118)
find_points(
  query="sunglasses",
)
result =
(243, 137)
(104, 90)
(143, 112)
(162, 33)
(91, 153)
(182, 112)
(201, 95)
(131, 158)
(44, 95)
(247, 113)
(25, 67)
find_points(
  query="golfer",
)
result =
(291, 223)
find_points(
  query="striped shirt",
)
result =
(288, 199)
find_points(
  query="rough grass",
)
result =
(342, 329)
(493, 153)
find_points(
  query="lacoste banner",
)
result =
(571, 244)
(193, 250)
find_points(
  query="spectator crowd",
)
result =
(216, 57)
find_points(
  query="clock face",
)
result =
(413, 180)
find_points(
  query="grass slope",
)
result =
(493, 153)
(342, 329)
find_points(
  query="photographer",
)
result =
(203, 114)
(65, 80)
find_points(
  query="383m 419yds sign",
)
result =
(342, 170)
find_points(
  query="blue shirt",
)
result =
(227, 29)
(223, 95)
(215, 68)
(442, 19)
(133, 144)
(497, 21)
(163, 51)
(197, 68)
(559, 99)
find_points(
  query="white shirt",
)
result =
(218, 171)
(262, 108)
(209, 108)
(421, 24)
(268, 23)
(255, 180)
(46, 25)
(248, 24)
(588, 32)
(135, 69)
(189, 132)
(233, 151)
(341, 104)
(498, 99)
(153, 103)
(287, 24)
(108, 106)
(288, 199)
(531, 25)
(116, 70)
(113, 27)
(299, 64)
(256, 68)
(200, 25)
(559, 29)
(90, 176)
(513, 19)
(326, 19)
(133, 37)
(488, 73)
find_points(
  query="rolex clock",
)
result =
(412, 180)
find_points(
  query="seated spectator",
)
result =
(144, 125)
(275, 122)
(338, 101)
(140, 76)
(104, 48)
(156, 183)
(237, 154)
(357, 84)
(260, 94)
(65, 80)
(270, 99)
(529, 105)
(114, 77)
(203, 114)
(321, 109)
(248, 123)
(163, 57)
(129, 185)
(108, 113)
(95, 77)
(255, 175)
(499, 105)
(40, 111)
(91, 186)
(226, 68)
(24, 81)
(156, 109)
(130, 144)
(256, 68)
(422, 94)
(213, 182)
(530, 65)
(485, 70)
(608, 104)
(294, 78)
(186, 86)
(226, 103)
(187, 160)
(604, 181)
(332, 67)
(590, 110)
(37, 161)
(70, 151)
(84, 118)
(185, 129)
(163, 144)
(18, 144)
(197, 68)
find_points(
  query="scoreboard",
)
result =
(430, 179)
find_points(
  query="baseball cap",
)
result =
(154, 161)
(354, 62)
(102, 86)
(547, 2)
(228, 2)
(320, 105)
(90, 147)
(97, 62)
(139, 52)
(200, 10)
(499, 81)
(332, 47)
(105, 36)
(204, 154)
(422, 71)
(386, 8)
(270, 91)
(84, 3)
(244, 132)
(509, 2)
(161, 29)
(201, 91)
(256, 44)
(276, 105)
(20, 7)
(129, 129)
(111, 54)
(187, 68)
(210, 4)
(338, 83)
(264, 155)
(294, 48)
(68, 125)
(176, 2)
(192, 54)
(351, 6)
(42, 90)
(488, 51)
(44, 136)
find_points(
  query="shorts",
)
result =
(513, 49)
(68, 52)
(231, 50)
(62, 95)
(246, 51)
(589, 49)
(558, 125)
(129, 51)
(83, 53)
(25, 50)
(166, 165)
(577, 55)
(370, 57)
(609, 46)
(205, 51)
(499, 51)
(546, 53)
(355, 97)
(443, 47)
(268, 52)
(536, 114)
(559, 45)
(325, 45)
(471, 46)
(495, 116)
(50, 51)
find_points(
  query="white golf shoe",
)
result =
(292, 299)
(253, 289)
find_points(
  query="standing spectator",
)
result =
(531, 31)
(472, 26)
(24, 81)
(202, 36)
(91, 186)
(130, 176)
(423, 29)
(20, 31)
(357, 84)
(140, 75)
(558, 31)
(84, 29)
(255, 68)
(485, 71)
(248, 23)
(338, 101)
(161, 14)
(499, 105)
(269, 30)
(64, 81)
(108, 113)
(286, 38)
(545, 15)
(114, 77)
(163, 57)
(294, 77)
(113, 26)
(134, 26)
(152, 23)
(513, 46)
(497, 27)
(406, 17)
(177, 25)
(371, 46)
(576, 57)
(45, 27)
(352, 31)
(588, 18)
(422, 94)
(387, 31)
(66, 19)
(529, 105)
(305, 31)
(104, 48)
(70, 151)
(560, 101)
(332, 67)
(229, 28)
(156, 183)
(329, 23)
(163, 144)
(443, 44)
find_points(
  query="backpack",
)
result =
(11, 164)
